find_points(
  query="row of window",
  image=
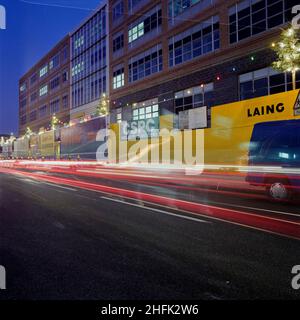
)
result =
(90, 33)
(250, 17)
(55, 61)
(53, 84)
(176, 7)
(145, 64)
(54, 107)
(145, 110)
(246, 18)
(195, 97)
(89, 62)
(194, 42)
(89, 89)
(149, 22)
(264, 82)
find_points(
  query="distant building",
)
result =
(89, 63)
(45, 90)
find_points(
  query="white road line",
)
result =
(156, 210)
(211, 218)
(58, 186)
(255, 208)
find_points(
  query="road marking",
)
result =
(58, 186)
(255, 208)
(29, 180)
(156, 210)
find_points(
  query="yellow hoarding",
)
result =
(226, 141)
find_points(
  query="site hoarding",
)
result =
(80, 140)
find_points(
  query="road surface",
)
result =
(63, 242)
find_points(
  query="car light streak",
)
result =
(265, 223)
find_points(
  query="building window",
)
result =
(118, 78)
(79, 42)
(23, 105)
(54, 63)
(132, 4)
(79, 67)
(43, 71)
(119, 115)
(33, 115)
(23, 87)
(118, 42)
(199, 40)
(90, 33)
(151, 21)
(42, 111)
(54, 106)
(33, 79)
(265, 81)
(250, 17)
(195, 97)
(54, 83)
(43, 90)
(65, 102)
(89, 89)
(176, 7)
(145, 64)
(65, 53)
(23, 120)
(65, 76)
(33, 97)
(118, 11)
(145, 110)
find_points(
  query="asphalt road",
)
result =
(61, 242)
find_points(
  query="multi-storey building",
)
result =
(89, 63)
(45, 90)
(167, 57)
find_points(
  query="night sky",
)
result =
(33, 28)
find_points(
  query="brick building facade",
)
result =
(224, 46)
(45, 90)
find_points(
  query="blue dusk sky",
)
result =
(33, 27)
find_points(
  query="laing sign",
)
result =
(265, 110)
(2, 18)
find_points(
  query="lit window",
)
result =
(23, 87)
(43, 71)
(43, 90)
(79, 42)
(150, 23)
(145, 110)
(118, 78)
(119, 115)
